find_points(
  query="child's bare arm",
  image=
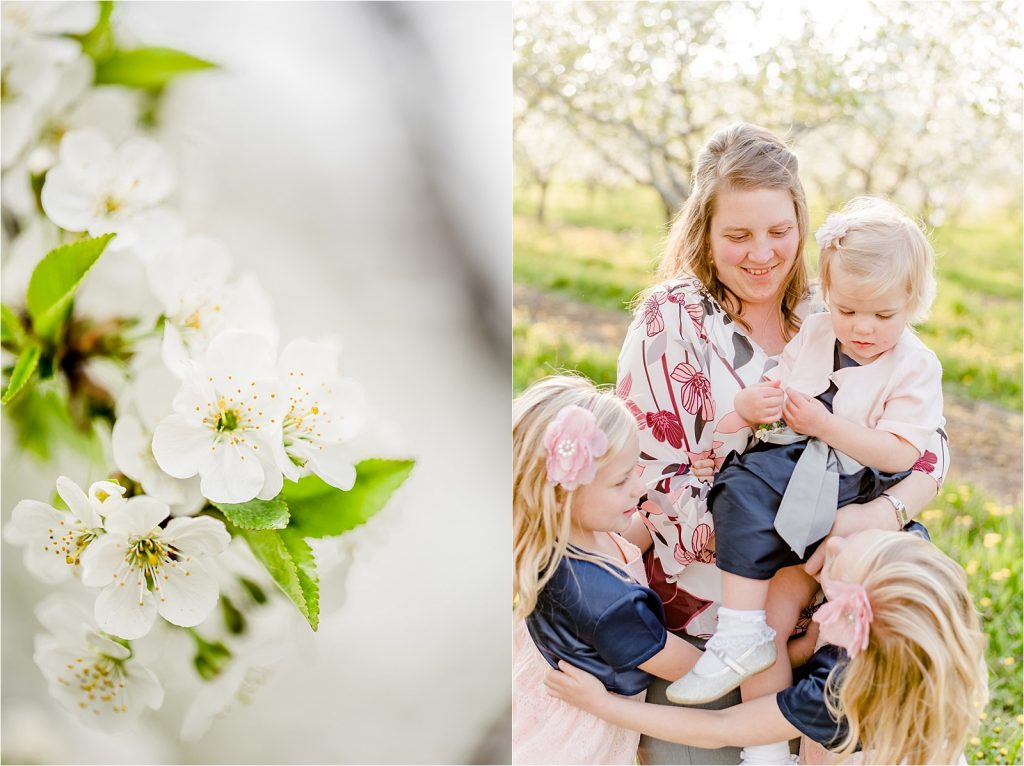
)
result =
(753, 723)
(675, 660)
(879, 449)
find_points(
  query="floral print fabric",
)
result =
(682, 363)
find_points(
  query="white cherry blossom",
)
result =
(55, 540)
(227, 420)
(98, 188)
(325, 411)
(30, 77)
(45, 23)
(92, 676)
(145, 569)
(191, 284)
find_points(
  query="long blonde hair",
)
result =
(741, 156)
(915, 694)
(882, 247)
(541, 511)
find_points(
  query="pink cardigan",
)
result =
(899, 392)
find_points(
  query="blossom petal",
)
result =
(140, 516)
(179, 448)
(197, 536)
(102, 559)
(31, 519)
(240, 354)
(78, 503)
(127, 610)
(189, 593)
(234, 475)
(143, 689)
(334, 465)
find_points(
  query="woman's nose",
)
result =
(761, 252)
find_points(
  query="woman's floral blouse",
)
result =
(681, 365)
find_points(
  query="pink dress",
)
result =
(546, 730)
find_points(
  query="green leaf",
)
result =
(98, 43)
(23, 371)
(290, 562)
(55, 279)
(309, 578)
(147, 68)
(320, 510)
(256, 514)
(11, 329)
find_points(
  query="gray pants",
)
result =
(654, 751)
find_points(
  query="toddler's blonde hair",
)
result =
(915, 694)
(882, 247)
(541, 511)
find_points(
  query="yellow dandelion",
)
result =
(931, 514)
(992, 539)
(983, 715)
(985, 602)
(975, 741)
(1020, 719)
(964, 521)
(1002, 574)
(979, 755)
(1009, 661)
(1003, 751)
(972, 567)
(952, 497)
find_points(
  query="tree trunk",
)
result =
(542, 203)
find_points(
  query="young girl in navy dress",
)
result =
(909, 685)
(860, 396)
(579, 587)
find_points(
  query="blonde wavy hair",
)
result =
(541, 511)
(882, 247)
(915, 694)
(741, 156)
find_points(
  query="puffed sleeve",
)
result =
(913, 410)
(631, 630)
(803, 703)
(681, 365)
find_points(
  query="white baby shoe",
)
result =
(752, 759)
(740, 663)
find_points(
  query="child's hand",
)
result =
(805, 414)
(760, 403)
(577, 687)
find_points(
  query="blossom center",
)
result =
(70, 542)
(227, 420)
(99, 683)
(147, 554)
(111, 204)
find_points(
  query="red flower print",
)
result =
(696, 312)
(925, 463)
(652, 314)
(696, 390)
(666, 427)
(622, 390)
(702, 535)
(641, 421)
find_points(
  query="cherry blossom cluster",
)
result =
(207, 411)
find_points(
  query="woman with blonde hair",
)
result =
(909, 686)
(733, 290)
(580, 593)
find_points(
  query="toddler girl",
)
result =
(579, 585)
(910, 685)
(862, 398)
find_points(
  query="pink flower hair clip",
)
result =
(573, 442)
(846, 617)
(833, 230)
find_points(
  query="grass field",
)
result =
(600, 247)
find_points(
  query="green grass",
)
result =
(606, 253)
(540, 352)
(985, 537)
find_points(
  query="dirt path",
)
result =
(986, 439)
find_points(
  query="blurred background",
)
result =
(918, 102)
(355, 158)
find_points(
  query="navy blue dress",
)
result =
(748, 491)
(604, 625)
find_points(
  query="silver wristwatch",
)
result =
(901, 510)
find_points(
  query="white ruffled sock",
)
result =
(775, 754)
(738, 630)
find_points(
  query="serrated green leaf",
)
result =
(148, 68)
(294, 578)
(256, 514)
(320, 510)
(11, 330)
(309, 578)
(23, 371)
(55, 279)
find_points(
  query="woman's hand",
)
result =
(805, 414)
(577, 687)
(760, 403)
(703, 468)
